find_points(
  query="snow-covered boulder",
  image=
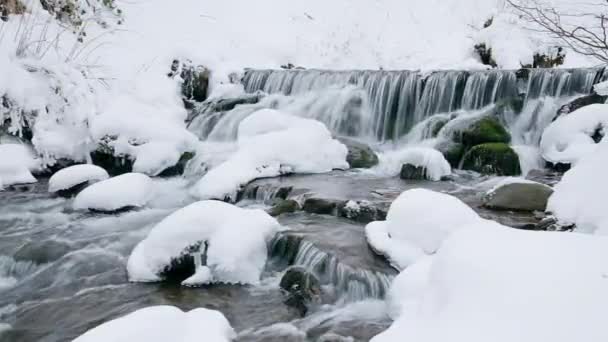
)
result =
(518, 194)
(234, 242)
(580, 197)
(161, 324)
(432, 161)
(131, 190)
(493, 283)
(16, 161)
(416, 225)
(572, 136)
(272, 143)
(71, 179)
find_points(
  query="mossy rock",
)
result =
(359, 154)
(453, 152)
(492, 158)
(283, 207)
(485, 130)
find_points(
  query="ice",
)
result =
(163, 323)
(236, 240)
(272, 143)
(71, 176)
(493, 283)
(124, 191)
(417, 223)
(569, 138)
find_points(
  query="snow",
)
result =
(477, 289)
(568, 138)
(436, 166)
(16, 161)
(236, 240)
(163, 323)
(416, 225)
(601, 88)
(71, 176)
(579, 198)
(272, 143)
(127, 190)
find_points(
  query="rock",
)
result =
(283, 207)
(359, 154)
(322, 206)
(195, 82)
(485, 55)
(183, 267)
(412, 172)
(362, 211)
(178, 169)
(580, 102)
(10, 7)
(285, 248)
(549, 60)
(301, 286)
(519, 195)
(332, 337)
(104, 157)
(452, 151)
(550, 223)
(42, 252)
(493, 158)
(485, 130)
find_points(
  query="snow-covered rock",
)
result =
(430, 159)
(236, 244)
(120, 192)
(16, 161)
(518, 194)
(416, 225)
(161, 324)
(571, 137)
(580, 197)
(272, 143)
(601, 88)
(493, 283)
(72, 176)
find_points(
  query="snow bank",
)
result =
(236, 241)
(580, 197)
(417, 223)
(161, 324)
(128, 190)
(493, 283)
(16, 161)
(71, 176)
(271, 143)
(429, 158)
(569, 138)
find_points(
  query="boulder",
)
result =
(518, 195)
(452, 151)
(362, 211)
(195, 82)
(412, 172)
(359, 154)
(322, 206)
(105, 158)
(580, 102)
(494, 158)
(301, 287)
(485, 130)
(284, 207)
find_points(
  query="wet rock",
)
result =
(485, 55)
(105, 158)
(550, 223)
(178, 169)
(301, 286)
(412, 172)
(493, 158)
(322, 206)
(285, 247)
(522, 196)
(73, 191)
(485, 130)
(42, 252)
(580, 102)
(359, 154)
(195, 82)
(183, 267)
(452, 151)
(283, 207)
(362, 211)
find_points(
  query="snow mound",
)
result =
(235, 239)
(569, 138)
(493, 283)
(417, 223)
(601, 88)
(435, 163)
(161, 324)
(16, 161)
(128, 190)
(71, 176)
(272, 143)
(580, 197)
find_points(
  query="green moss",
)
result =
(452, 152)
(492, 158)
(486, 130)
